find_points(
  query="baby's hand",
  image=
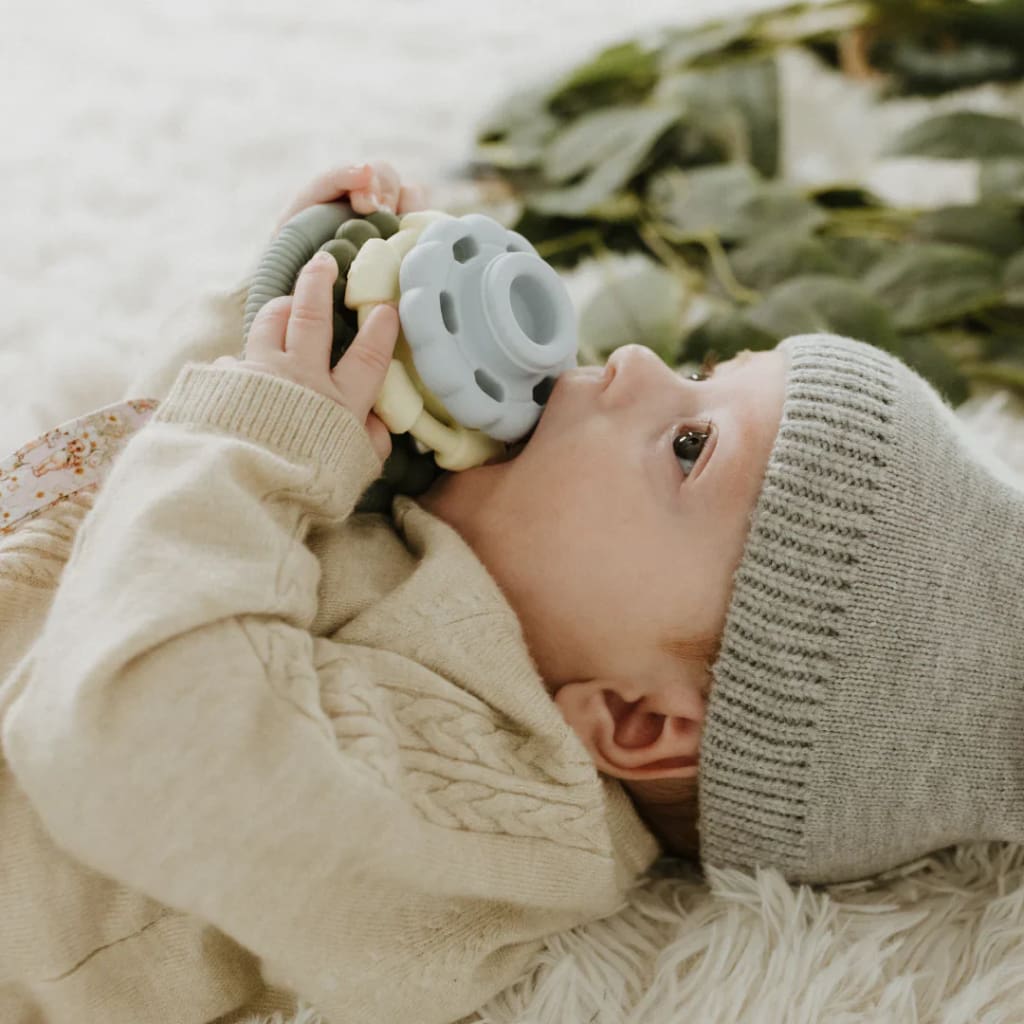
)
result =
(369, 187)
(291, 337)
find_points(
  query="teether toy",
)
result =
(486, 326)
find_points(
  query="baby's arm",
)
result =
(169, 730)
(163, 727)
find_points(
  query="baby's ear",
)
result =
(637, 732)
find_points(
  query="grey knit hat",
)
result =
(868, 698)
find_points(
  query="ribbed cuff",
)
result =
(276, 413)
(780, 651)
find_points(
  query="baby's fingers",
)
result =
(311, 323)
(383, 191)
(327, 187)
(359, 374)
(411, 198)
(266, 335)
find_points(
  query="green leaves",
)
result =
(1002, 178)
(931, 283)
(618, 74)
(604, 150)
(702, 201)
(727, 334)
(776, 256)
(807, 304)
(670, 147)
(932, 71)
(992, 226)
(1013, 280)
(684, 47)
(962, 135)
(730, 201)
(733, 106)
(819, 302)
(514, 133)
(640, 305)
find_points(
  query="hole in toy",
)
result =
(489, 386)
(448, 312)
(465, 249)
(542, 391)
(515, 247)
(532, 308)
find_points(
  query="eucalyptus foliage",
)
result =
(670, 147)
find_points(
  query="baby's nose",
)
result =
(634, 364)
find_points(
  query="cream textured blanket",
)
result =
(153, 147)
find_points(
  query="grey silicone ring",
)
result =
(289, 252)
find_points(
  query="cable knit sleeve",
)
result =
(167, 728)
(172, 730)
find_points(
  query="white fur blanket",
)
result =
(149, 150)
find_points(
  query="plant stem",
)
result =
(553, 246)
(691, 280)
(722, 267)
(719, 260)
(655, 240)
(892, 224)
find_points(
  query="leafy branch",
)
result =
(670, 148)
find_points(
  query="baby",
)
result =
(259, 747)
(630, 468)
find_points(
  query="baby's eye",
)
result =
(687, 447)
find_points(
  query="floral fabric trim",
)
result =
(73, 457)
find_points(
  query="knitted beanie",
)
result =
(867, 705)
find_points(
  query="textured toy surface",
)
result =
(486, 327)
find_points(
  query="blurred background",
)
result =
(150, 145)
(687, 180)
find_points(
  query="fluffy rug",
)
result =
(149, 155)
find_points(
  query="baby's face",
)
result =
(594, 531)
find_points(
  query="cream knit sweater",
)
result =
(255, 745)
